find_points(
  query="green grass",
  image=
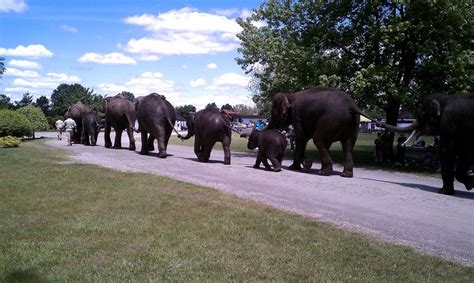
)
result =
(65, 222)
(363, 154)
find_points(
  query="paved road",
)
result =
(396, 207)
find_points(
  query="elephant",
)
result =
(209, 126)
(119, 114)
(452, 118)
(90, 128)
(156, 116)
(77, 112)
(323, 114)
(271, 145)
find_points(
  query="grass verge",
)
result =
(62, 222)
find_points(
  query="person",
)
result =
(378, 148)
(59, 125)
(401, 148)
(70, 126)
(291, 136)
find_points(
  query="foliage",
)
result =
(245, 109)
(211, 105)
(26, 100)
(65, 95)
(227, 106)
(5, 102)
(185, 110)
(128, 95)
(43, 103)
(36, 118)
(13, 123)
(387, 54)
(2, 66)
(9, 141)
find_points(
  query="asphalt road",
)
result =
(395, 207)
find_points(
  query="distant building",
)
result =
(251, 119)
(367, 126)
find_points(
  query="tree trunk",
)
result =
(392, 110)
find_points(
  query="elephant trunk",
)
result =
(412, 127)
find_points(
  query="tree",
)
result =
(212, 105)
(36, 117)
(43, 103)
(26, 100)
(65, 95)
(387, 54)
(243, 109)
(128, 95)
(5, 102)
(2, 66)
(227, 106)
(185, 110)
(12, 123)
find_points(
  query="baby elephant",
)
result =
(271, 145)
(90, 128)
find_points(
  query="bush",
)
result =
(9, 141)
(14, 124)
(36, 117)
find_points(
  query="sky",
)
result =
(183, 49)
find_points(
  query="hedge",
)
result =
(14, 124)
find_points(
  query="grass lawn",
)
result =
(65, 222)
(363, 154)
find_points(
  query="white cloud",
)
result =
(34, 51)
(40, 85)
(144, 84)
(68, 28)
(184, 31)
(229, 81)
(226, 12)
(149, 58)
(111, 58)
(212, 65)
(12, 6)
(12, 72)
(197, 83)
(25, 64)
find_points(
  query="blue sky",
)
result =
(185, 50)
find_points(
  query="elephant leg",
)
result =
(198, 147)
(150, 143)
(347, 149)
(118, 138)
(226, 147)
(85, 137)
(131, 138)
(326, 161)
(78, 135)
(258, 160)
(144, 149)
(447, 170)
(298, 154)
(206, 151)
(107, 140)
(275, 163)
(161, 146)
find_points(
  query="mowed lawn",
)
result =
(62, 222)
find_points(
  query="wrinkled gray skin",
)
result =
(77, 112)
(271, 145)
(156, 117)
(323, 114)
(209, 126)
(90, 128)
(120, 115)
(452, 117)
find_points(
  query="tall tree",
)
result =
(212, 105)
(36, 118)
(185, 110)
(2, 66)
(227, 106)
(65, 95)
(26, 100)
(387, 54)
(5, 102)
(43, 103)
(128, 95)
(245, 109)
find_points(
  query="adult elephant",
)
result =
(77, 112)
(120, 115)
(156, 117)
(209, 126)
(323, 114)
(452, 117)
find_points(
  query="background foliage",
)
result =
(36, 117)
(13, 123)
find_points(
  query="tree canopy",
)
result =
(35, 116)
(211, 105)
(227, 106)
(43, 103)
(65, 95)
(386, 54)
(2, 66)
(26, 100)
(5, 102)
(128, 95)
(185, 110)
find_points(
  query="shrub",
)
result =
(15, 124)
(9, 141)
(36, 117)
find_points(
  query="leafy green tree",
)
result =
(5, 102)
(212, 105)
(128, 95)
(36, 117)
(2, 66)
(13, 123)
(387, 54)
(43, 103)
(185, 110)
(65, 95)
(26, 100)
(245, 109)
(227, 106)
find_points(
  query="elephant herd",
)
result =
(325, 115)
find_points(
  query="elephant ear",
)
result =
(283, 106)
(435, 108)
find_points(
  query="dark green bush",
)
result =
(9, 141)
(14, 124)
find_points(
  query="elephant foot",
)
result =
(347, 174)
(162, 154)
(117, 147)
(469, 183)
(226, 162)
(256, 166)
(277, 169)
(307, 164)
(325, 171)
(446, 191)
(295, 166)
(108, 145)
(142, 152)
(132, 147)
